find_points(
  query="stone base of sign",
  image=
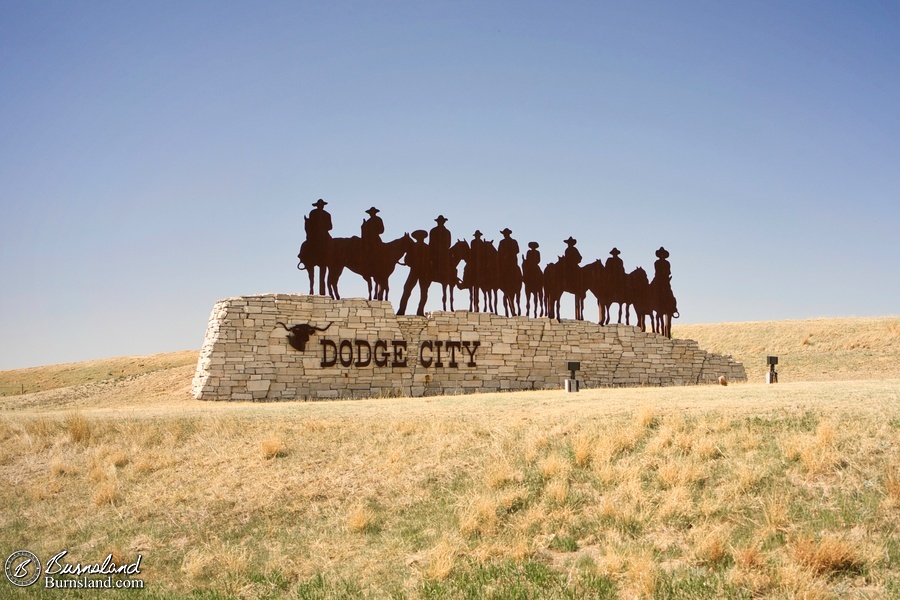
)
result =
(367, 350)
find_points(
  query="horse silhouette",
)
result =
(558, 279)
(664, 306)
(533, 279)
(449, 278)
(376, 268)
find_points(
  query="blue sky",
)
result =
(156, 157)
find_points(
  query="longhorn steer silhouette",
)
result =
(299, 334)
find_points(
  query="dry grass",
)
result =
(828, 554)
(107, 492)
(361, 518)
(271, 447)
(750, 490)
(79, 428)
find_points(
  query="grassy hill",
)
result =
(747, 490)
(38, 379)
(807, 350)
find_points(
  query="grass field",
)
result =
(742, 491)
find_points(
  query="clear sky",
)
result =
(158, 156)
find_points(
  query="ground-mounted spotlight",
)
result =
(772, 374)
(571, 382)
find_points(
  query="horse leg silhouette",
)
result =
(423, 295)
(334, 274)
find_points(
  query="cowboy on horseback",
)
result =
(314, 252)
(370, 232)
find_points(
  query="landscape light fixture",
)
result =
(572, 383)
(772, 374)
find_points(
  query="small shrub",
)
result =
(271, 447)
(500, 474)
(360, 519)
(480, 516)
(645, 417)
(892, 485)
(712, 547)
(118, 458)
(557, 490)
(79, 428)
(554, 466)
(582, 448)
(642, 575)
(441, 559)
(829, 554)
(748, 558)
(106, 493)
(41, 427)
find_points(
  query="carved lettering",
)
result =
(399, 353)
(381, 353)
(452, 347)
(471, 352)
(346, 362)
(437, 348)
(328, 362)
(360, 345)
(425, 362)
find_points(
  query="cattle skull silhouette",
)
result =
(299, 334)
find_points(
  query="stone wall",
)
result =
(367, 351)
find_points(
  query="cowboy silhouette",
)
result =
(372, 228)
(419, 262)
(472, 273)
(532, 257)
(662, 299)
(509, 275)
(508, 250)
(661, 268)
(315, 251)
(439, 240)
(615, 269)
(318, 223)
(370, 232)
(533, 278)
(571, 257)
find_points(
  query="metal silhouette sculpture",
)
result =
(637, 296)
(449, 279)
(298, 335)
(419, 262)
(370, 233)
(565, 276)
(662, 298)
(616, 282)
(490, 276)
(533, 280)
(509, 274)
(594, 279)
(376, 267)
(478, 274)
(488, 271)
(316, 250)
(444, 259)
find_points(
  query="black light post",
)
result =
(572, 383)
(772, 374)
